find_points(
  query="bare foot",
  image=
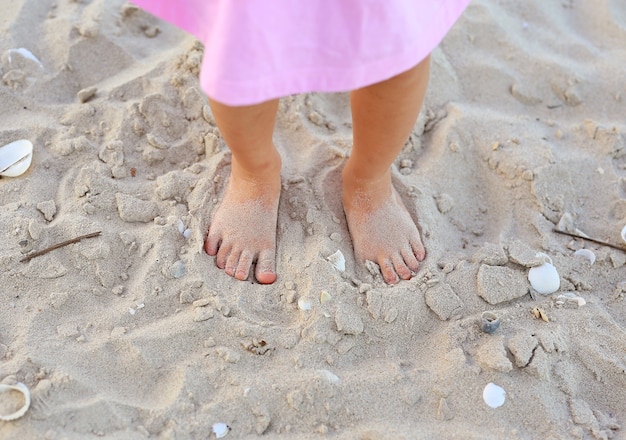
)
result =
(382, 229)
(243, 229)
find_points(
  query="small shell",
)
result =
(325, 297)
(15, 158)
(304, 304)
(586, 253)
(489, 322)
(26, 54)
(220, 429)
(544, 279)
(571, 297)
(331, 377)
(20, 412)
(338, 261)
(493, 395)
(624, 233)
(539, 313)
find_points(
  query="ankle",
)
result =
(364, 189)
(257, 170)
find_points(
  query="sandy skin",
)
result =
(381, 228)
(243, 230)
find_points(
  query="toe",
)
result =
(410, 260)
(243, 267)
(222, 255)
(401, 268)
(232, 262)
(418, 249)
(266, 267)
(389, 273)
(212, 244)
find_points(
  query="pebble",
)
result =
(365, 287)
(522, 95)
(134, 210)
(228, 355)
(336, 237)
(491, 355)
(57, 299)
(34, 229)
(522, 347)
(444, 302)
(177, 270)
(497, 284)
(203, 314)
(444, 202)
(390, 315)
(86, 94)
(348, 322)
(68, 330)
(48, 209)
(46, 267)
(202, 302)
(316, 118)
(491, 254)
(374, 303)
(521, 254)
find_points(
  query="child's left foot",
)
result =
(382, 229)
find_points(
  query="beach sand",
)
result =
(136, 333)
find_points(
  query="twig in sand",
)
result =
(59, 245)
(603, 243)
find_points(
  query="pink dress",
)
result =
(257, 50)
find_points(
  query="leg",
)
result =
(243, 229)
(382, 230)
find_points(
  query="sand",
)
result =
(136, 334)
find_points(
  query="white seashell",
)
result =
(15, 158)
(20, 412)
(304, 304)
(338, 261)
(26, 54)
(624, 233)
(220, 429)
(493, 395)
(571, 297)
(331, 377)
(325, 297)
(544, 279)
(181, 226)
(586, 253)
(186, 233)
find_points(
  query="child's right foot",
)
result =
(243, 229)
